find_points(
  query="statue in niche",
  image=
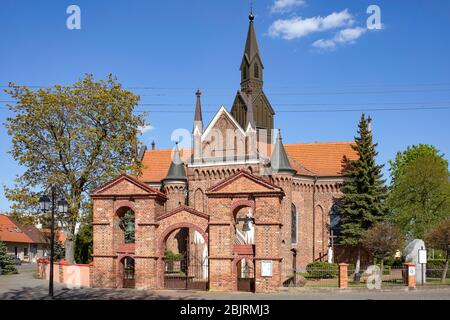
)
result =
(245, 234)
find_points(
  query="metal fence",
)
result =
(314, 277)
(373, 277)
(368, 277)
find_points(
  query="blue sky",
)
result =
(318, 55)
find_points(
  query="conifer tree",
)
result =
(7, 265)
(364, 192)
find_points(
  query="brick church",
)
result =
(240, 210)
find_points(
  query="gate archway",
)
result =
(128, 267)
(184, 252)
(245, 273)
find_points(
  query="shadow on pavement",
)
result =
(40, 293)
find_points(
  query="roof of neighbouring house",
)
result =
(318, 158)
(11, 231)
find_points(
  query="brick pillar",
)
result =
(343, 275)
(411, 274)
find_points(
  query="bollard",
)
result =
(343, 275)
(411, 274)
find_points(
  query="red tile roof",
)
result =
(156, 164)
(11, 231)
(320, 158)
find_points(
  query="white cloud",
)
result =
(349, 35)
(297, 27)
(281, 6)
(146, 128)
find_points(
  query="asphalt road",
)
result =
(25, 286)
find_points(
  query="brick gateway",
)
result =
(235, 212)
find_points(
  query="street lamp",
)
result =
(46, 204)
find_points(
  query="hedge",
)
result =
(322, 270)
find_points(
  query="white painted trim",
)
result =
(222, 110)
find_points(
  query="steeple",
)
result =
(279, 160)
(177, 172)
(251, 66)
(198, 118)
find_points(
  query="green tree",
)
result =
(364, 193)
(84, 242)
(402, 159)
(74, 138)
(383, 240)
(439, 238)
(7, 265)
(420, 190)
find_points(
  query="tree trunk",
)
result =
(70, 247)
(358, 265)
(444, 273)
(381, 268)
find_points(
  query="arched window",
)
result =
(293, 224)
(256, 70)
(244, 72)
(199, 200)
(335, 222)
(127, 224)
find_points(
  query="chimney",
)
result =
(153, 145)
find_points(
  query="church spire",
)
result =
(279, 160)
(251, 44)
(198, 118)
(251, 66)
(176, 170)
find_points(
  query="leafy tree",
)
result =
(382, 241)
(74, 138)
(420, 191)
(363, 201)
(439, 238)
(402, 159)
(7, 265)
(84, 242)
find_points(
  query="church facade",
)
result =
(234, 212)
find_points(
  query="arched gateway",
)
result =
(185, 248)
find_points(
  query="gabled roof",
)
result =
(133, 187)
(255, 95)
(222, 111)
(253, 184)
(11, 231)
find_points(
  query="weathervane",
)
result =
(251, 16)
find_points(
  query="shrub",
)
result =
(322, 270)
(435, 268)
(169, 255)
